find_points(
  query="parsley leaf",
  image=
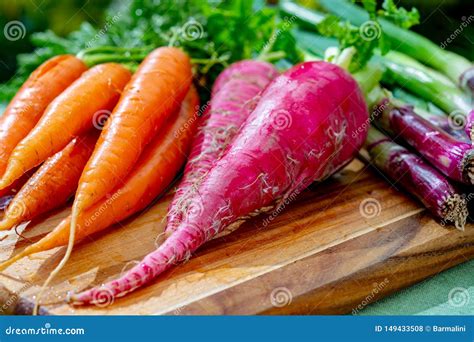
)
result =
(400, 16)
(214, 33)
(364, 39)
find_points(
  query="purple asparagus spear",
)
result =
(452, 157)
(418, 178)
(454, 126)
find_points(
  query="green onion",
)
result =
(456, 67)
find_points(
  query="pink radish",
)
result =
(252, 72)
(300, 132)
(233, 99)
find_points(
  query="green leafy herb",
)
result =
(371, 7)
(214, 33)
(364, 39)
(400, 16)
(369, 36)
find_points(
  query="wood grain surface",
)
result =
(338, 247)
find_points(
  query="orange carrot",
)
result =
(153, 173)
(7, 194)
(16, 185)
(25, 109)
(53, 184)
(154, 93)
(72, 113)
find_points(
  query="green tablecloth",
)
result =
(448, 293)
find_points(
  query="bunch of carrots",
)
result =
(53, 123)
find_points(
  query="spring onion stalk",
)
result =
(428, 84)
(406, 96)
(403, 71)
(369, 77)
(417, 177)
(452, 157)
(457, 68)
(306, 18)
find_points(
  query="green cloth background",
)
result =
(432, 296)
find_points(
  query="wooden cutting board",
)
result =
(338, 247)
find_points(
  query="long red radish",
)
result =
(53, 184)
(234, 98)
(25, 109)
(242, 70)
(155, 170)
(300, 132)
(72, 113)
